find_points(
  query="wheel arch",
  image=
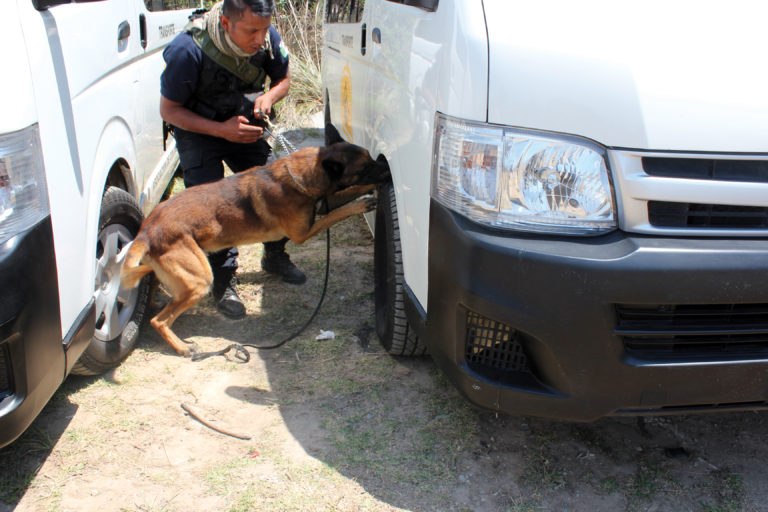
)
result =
(113, 164)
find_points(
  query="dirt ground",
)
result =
(338, 425)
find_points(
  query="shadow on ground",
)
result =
(396, 427)
(21, 460)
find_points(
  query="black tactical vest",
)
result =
(220, 94)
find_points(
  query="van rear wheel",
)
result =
(119, 313)
(392, 326)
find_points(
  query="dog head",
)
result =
(347, 165)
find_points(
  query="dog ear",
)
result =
(332, 135)
(333, 168)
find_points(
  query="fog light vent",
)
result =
(494, 345)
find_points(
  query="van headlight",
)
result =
(23, 192)
(522, 180)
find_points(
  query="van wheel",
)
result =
(119, 313)
(392, 327)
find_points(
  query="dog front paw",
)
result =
(368, 202)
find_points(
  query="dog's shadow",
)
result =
(274, 311)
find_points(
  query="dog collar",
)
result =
(301, 187)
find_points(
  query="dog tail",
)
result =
(132, 272)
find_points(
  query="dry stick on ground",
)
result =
(189, 411)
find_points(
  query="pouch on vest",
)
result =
(243, 69)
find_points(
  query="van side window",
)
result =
(344, 11)
(427, 5)
(170, 5)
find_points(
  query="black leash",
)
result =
(240, 348)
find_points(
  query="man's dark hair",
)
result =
(233, 9)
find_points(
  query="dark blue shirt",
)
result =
(184, 60)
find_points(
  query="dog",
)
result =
(261, 204)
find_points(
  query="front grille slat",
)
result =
(666, 193)
(666, 214)
(707, 169)
(694, 332)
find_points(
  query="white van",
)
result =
(578, 219)
(82, 158)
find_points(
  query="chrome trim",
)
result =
(634, 188)
(159, 178)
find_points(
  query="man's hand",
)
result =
(262, 107)
(234, 129)
(237, 129)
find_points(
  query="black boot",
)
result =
(227, 301)
(276, 261)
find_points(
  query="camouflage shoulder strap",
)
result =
(243, 69)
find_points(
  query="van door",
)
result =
(404, 88)
(90, 46)
(107, 61)
(158, 22)
(346, 59)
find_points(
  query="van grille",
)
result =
(691, 215)
(691, 194)
(707, 169)
(707, 332)
(493, 345)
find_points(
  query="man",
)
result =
(212, 86)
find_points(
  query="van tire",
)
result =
(117, 329)
(392, 326)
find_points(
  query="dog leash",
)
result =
(240, 348)
(279, 138)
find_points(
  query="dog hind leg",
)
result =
(163, 321)
(186, 274)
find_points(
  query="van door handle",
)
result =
(376, 35)
(123, 31)
(143, 30)
(362, 41)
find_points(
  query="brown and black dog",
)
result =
(259, 205)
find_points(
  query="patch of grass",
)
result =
(521, 504)
(608, 485)
(542, 472)
(20, 462)
(225, 478)
(77, 438)
(14, 482)
(728, 491)
(176, 185)
(300, 25)
(372, 437)
(647, 483)
(246, 499)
